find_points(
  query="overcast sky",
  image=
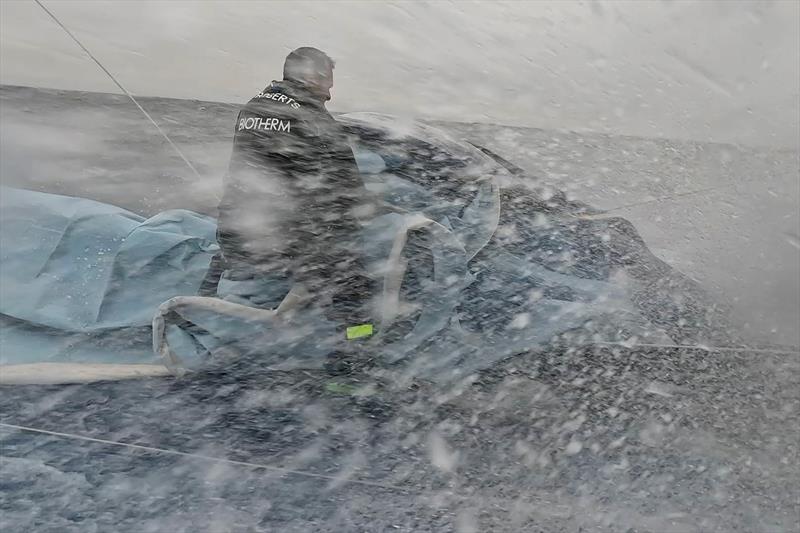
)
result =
(705, 70)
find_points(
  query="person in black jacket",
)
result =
(293, 195)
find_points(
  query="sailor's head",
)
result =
(311, 68)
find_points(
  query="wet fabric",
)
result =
(460, 282)
(80, 280)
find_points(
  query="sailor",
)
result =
(292, 198)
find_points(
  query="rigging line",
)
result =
(657, 200)
(123, 89)
(704, 348)
(165, 451)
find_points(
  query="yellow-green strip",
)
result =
(358, 332)
(340, 388)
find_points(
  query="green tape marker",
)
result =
(358, 332)
(340, 388)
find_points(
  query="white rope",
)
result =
(164, 451)
(123, 89)
(704, 348)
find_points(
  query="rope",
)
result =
(123, 89)
(659, 199)
(164, 451)
(704, 348)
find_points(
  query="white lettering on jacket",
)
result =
(278, 97)
(265, 124)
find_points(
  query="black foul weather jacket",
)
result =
(292, 195)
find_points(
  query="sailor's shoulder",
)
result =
(261, 106)
(278, 98)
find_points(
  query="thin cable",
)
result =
(657, 200)
(123, 89)
(204, 457)
(704, 348)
